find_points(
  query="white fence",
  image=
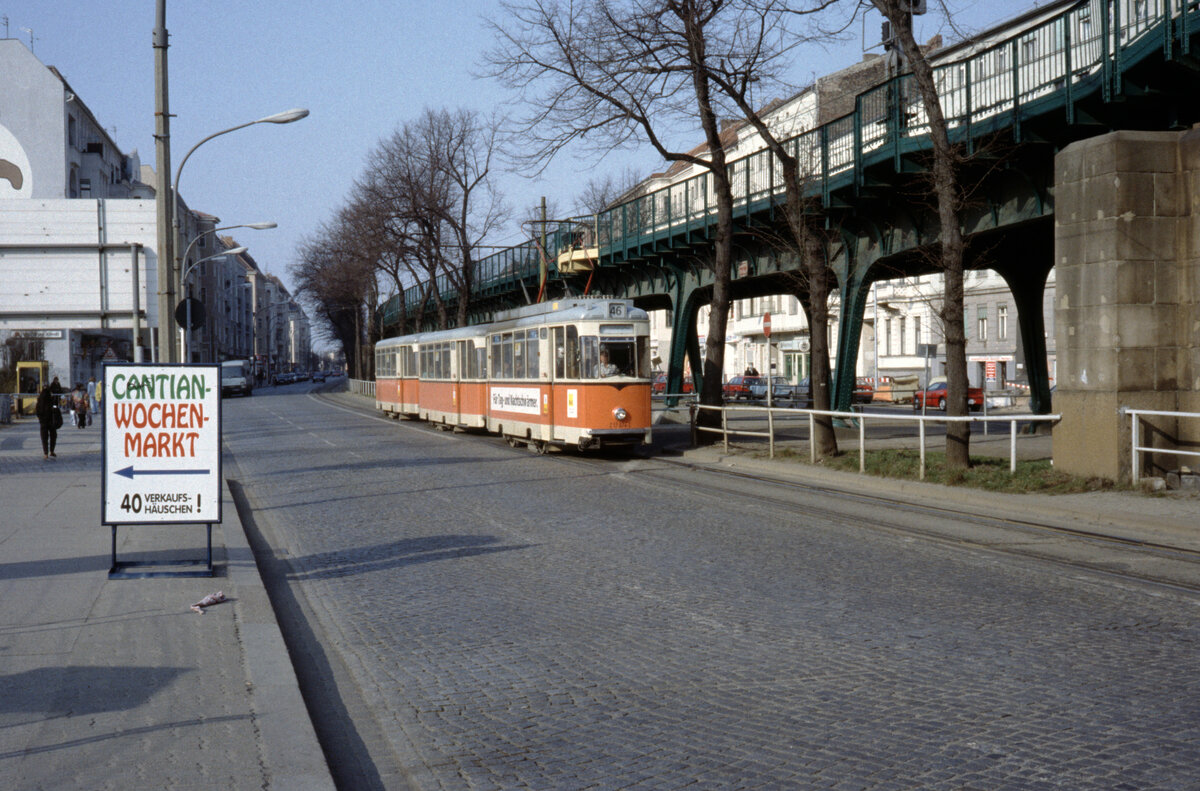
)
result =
(362, 387)
(1137, 449)
(862, 418)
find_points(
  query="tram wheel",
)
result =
(539, 447)
(512, 441)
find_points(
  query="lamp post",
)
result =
(183, 287)
(187, 338)
(286, 117)
(162, 188)
(269, 310)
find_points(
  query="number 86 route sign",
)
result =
(162, 444)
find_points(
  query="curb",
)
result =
(293, 756)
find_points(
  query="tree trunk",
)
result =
(817, 299)
(945, 185)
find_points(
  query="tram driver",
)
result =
(606, 366)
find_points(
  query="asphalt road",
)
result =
(466, 616)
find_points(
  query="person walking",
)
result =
(49, 421)
(93, 404)
(79, 403)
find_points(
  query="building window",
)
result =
(916, 330)
(71, 134)
(982, 324)
(887, 336)
(1002, 322)
(903, 339)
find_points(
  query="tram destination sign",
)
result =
(162, 444)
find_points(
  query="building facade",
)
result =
(78, 243)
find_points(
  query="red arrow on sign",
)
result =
(767, 324)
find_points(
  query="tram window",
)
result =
(506, 356)
(496, 355)
(589, 357)
(519, 355)
(480, 362)
(533, 358)
(445, 362)
(560, 360)
(573, 353)
(621, 354)
(643, 357)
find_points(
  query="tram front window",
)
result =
(604, 357)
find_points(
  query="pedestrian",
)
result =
(91, 392)
(49, 421)
(79, 403)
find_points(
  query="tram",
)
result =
(569, 373)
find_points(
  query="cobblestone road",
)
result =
(515, 621)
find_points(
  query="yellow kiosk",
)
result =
(31, 378)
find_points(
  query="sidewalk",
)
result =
(117, 683)
(1170, 519)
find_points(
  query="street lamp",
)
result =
(269, 310)
(286, 117)
(187, 337)
(183, 287)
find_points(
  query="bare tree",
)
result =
(757, 36)
(604, 191)
(406, 195)
(607, 72)
(945, 162)
(465, 156)
(340, 283)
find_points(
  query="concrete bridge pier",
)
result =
(1127, 248)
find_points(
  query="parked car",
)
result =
(659, 385)
(864, 391)
(781, 389)
(935, 397)
(738, 387)
(318, 376)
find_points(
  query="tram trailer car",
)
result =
(574, 372)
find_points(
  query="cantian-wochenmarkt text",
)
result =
(163, 430)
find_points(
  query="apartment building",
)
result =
(78, 242)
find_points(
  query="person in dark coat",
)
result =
(49, 419)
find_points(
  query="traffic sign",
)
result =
(189, 313)
(162, 444)
(767, 324)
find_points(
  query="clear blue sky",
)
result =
(362, 67)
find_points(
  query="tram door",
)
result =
(461, 372)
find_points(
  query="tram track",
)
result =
(1119, 557)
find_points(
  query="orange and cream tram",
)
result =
(571, 372)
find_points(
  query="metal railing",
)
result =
(1136, 448)
(861, 418)
(362, 387)
(1082, 50)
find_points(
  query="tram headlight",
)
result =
(620, 414)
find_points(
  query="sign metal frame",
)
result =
(169, 416)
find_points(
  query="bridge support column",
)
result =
(850, 321)
(686, 299)
(1027, 282)
(1127, 248)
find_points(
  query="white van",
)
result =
(237, 376)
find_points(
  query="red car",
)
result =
(738, 387)
(864, 391)
(659, 385)
(936, 397)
